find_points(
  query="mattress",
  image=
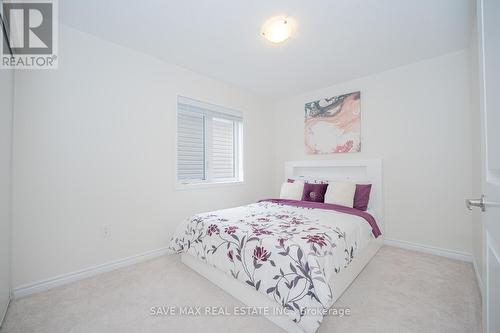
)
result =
(291, 254)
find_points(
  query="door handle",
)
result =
(476, 203)
(481, 203)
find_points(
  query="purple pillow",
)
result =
(314, 192)
(361, 196)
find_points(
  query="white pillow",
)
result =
(340, 193)
(292, 191)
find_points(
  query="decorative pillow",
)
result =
(314, 192)
(362, 196)
(292, 191)
(340, 193)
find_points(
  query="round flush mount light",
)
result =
(277, 29)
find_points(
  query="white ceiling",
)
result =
(336, 40)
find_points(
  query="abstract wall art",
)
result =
(333, 125)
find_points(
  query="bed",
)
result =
(293, 259)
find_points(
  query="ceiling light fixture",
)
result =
(277, 29)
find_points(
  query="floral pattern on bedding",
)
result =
(288, 253)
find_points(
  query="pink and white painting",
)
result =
(333, 125)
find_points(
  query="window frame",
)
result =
(238, 147)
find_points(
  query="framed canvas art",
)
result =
(333, 125)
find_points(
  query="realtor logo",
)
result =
(29, 34)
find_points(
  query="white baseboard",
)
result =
(61, 280)
(463, 256)
(64, 279)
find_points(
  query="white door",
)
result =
(489, 59)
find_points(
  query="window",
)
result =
(209, 143)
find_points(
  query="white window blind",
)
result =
(190, 146)
(223, 149)
(208, 143)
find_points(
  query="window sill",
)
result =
(196, 186)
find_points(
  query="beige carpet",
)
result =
(399, 291)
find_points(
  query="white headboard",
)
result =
(359, 171)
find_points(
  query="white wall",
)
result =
(417, 118)
(6, 108)
(94, 145)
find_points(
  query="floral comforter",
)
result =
(291, 254)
